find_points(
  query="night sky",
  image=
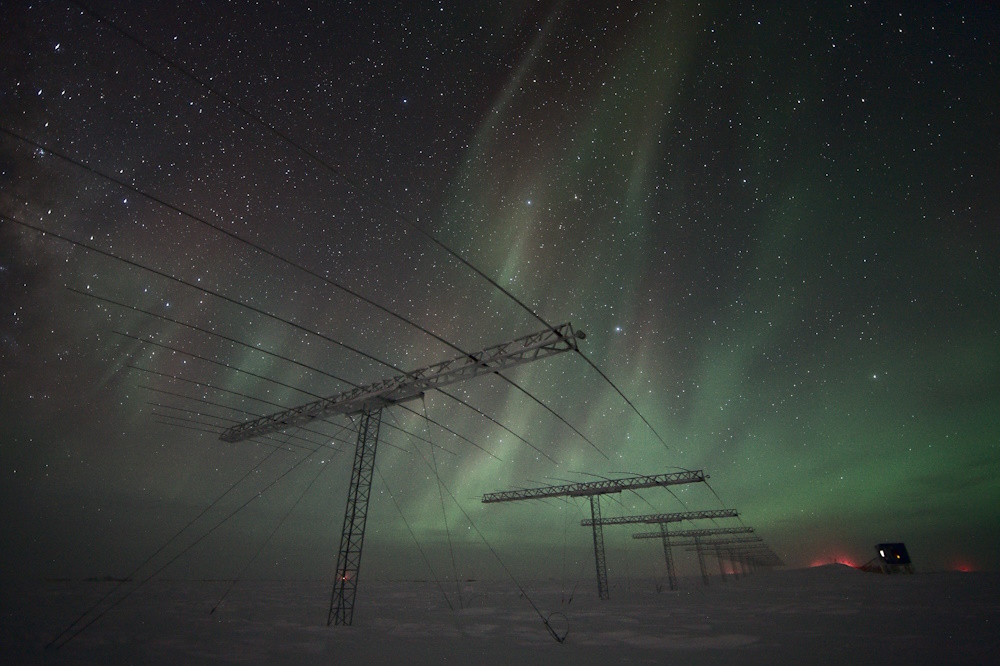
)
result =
(779, 227)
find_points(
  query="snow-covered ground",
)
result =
(826, 615)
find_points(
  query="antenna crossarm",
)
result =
(603, 487)
(687, 534)
(705, 543)
(664, 517)
(411, 385)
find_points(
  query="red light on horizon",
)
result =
(834, 559)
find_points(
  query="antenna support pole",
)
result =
(593, 491)
(599, 559)
(352, 536)
(368, 402)
(668, 556)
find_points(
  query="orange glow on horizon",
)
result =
(833, 559)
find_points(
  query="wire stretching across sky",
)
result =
(219, 295)
(256, 246)
(378, 202)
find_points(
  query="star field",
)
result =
(777, 226)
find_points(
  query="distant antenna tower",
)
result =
(368, 402)
(593, 490)
(701, 545)
(750, 556)
(682, 534)
(660, 519)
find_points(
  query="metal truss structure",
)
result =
(662, 519)
(690, 534)
(604, 487)
(719, 542)
(352, 536)
(665, 535)
(593, 490)
(668, 555)
(749, 556)
(411, 385)
(654, 518)
(700, 544)
(599, 559)
(368, 401)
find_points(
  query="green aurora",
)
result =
(777, 226)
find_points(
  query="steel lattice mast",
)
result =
(751, 556)
(368, 401)
(600, 561)
(696, 535)
(668, 555)
(748, 555)
(593, 490)
(700, 545)
(662, 519)
(352, 535)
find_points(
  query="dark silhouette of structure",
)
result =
(892, 558)
(697, 536)
(593, 490)
(367, 402)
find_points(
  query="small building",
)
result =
(892, 559)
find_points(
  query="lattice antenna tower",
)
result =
(700, 545)
(593, 491)
(367, 402)
(661, 519)
(668, 556)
